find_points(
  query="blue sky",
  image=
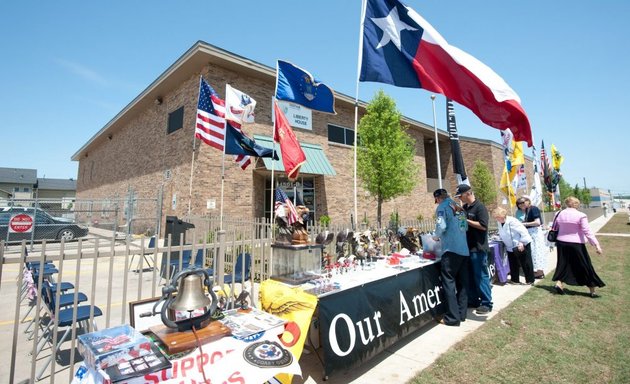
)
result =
(68, 67)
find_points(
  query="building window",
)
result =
(175, 120)
(341, 135)
(26, 189)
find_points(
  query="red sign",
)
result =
(21, 223)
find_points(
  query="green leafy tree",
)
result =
(565, 190)
(483, 183)
(385, 152)
(585, 196)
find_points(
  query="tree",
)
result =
(565, 190)
(385, 152)
(585, 197)
(483, 183)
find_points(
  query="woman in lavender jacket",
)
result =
(574, 264)
(517, 244)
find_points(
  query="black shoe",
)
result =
(558, 290)
(455, 324)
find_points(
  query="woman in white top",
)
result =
(517, 243)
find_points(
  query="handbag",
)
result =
(552, 235)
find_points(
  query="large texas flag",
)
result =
(403, 49)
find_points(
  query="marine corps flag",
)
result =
(292, 154)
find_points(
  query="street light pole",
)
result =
(437, 146)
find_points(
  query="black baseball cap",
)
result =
(440, 193)
(462, 188)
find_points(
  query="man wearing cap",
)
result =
(451, 231)
(479, 288)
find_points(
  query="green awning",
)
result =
(316, 161)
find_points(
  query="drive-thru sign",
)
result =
(21, 223)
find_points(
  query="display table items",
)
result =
(121, 353)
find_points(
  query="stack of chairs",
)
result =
(64, 312)
(60, 309)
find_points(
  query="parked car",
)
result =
(44, 226)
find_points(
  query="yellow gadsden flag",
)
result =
(293, 305)
(510, 178)
(507, 186)
(556, 158)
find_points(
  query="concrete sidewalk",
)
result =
(410, 355)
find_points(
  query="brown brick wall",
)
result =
(140, 152)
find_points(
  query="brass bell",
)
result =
(190, 295)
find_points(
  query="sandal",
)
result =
(558, 290)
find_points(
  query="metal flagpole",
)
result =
(192, 162)
(273, 163)
(356, 109)
(223, 166)
(437, 146)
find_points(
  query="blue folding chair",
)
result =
(242, 273)
(65, 300)
(186, 262)
(64, 318)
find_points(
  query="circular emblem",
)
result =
(267, 354)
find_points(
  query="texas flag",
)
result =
(403, 49)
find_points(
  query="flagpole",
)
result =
(356, 108)
(192, 161)
(437, 145)
(273, 164)
(223, 161)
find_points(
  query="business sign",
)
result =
(21, 223)
(297, 115)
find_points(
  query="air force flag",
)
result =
(296, 85)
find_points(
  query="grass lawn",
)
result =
(545, 338)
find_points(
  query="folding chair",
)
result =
(239, 276)
(63, 318)
(150, 262)
(185, 262)
(65, 300)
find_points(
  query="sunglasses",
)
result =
(520, 202)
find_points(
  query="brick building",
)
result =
(148, 147)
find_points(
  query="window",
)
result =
(26, 189)
(341, 135)
(175, 120)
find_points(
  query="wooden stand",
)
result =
(175, 341)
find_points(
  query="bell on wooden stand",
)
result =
(190, 296)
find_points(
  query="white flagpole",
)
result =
(223, 161)
(356, 109)
(437, 145)
(273, 161)
(192, 162)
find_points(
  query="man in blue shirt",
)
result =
(450, 229)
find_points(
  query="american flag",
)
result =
(210, 127)
(282, 198)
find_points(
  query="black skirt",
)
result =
(574, 266)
